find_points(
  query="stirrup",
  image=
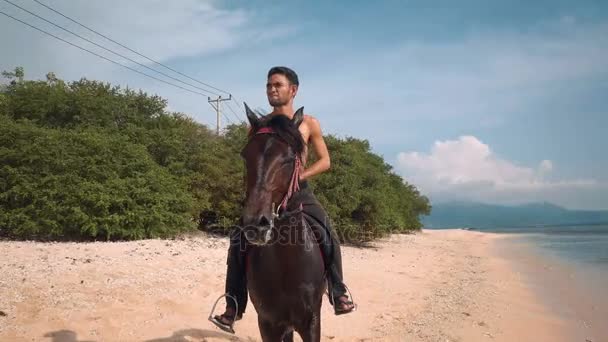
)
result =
(333, 300)
(225, 327)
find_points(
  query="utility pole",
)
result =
(216, 105)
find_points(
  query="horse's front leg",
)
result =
(271, 332)
(288, 337)
(312, 332)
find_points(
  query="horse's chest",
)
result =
(281, 285)
(275, 273)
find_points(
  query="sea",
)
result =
(567, 268)
(582, 245)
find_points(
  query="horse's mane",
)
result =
(285, 129)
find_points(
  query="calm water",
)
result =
(575, 286)
(586, 245)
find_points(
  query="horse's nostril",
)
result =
(264, 221)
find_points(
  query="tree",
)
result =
(89, 160)
(80, 184)
(17, 75)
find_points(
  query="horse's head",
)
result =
(271, 158)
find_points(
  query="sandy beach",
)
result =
(443, 285)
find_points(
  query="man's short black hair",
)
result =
(285, 71)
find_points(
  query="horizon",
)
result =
(519, 205)
(501, 104)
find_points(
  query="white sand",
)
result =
(431, 286)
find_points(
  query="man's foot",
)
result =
(226, 320)
(343, 305)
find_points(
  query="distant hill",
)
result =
(479, 215)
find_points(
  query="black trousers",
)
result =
(317, 218)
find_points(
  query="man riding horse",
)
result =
(281, 88)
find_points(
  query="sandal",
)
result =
(344, 306)
(225, 321)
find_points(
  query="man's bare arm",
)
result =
(323, 162)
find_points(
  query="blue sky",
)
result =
(500, 102)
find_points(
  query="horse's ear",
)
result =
(253, 118)
(298, 117)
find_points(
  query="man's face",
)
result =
(279, 90)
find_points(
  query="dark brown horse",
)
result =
(285, 268)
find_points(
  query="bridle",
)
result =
(294, 185)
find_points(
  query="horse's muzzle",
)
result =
(258, 235)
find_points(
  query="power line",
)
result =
(110, 60)
(238, 103)
(233, 112)
(227, 118)
(111, 51)
(141, 55)
(100, 56)
(126, 47)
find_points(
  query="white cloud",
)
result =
(467, 168)
(466, 160)
(545, 167)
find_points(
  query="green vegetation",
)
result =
(86, 160)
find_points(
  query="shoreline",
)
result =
(571, 289)
(434, 285)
